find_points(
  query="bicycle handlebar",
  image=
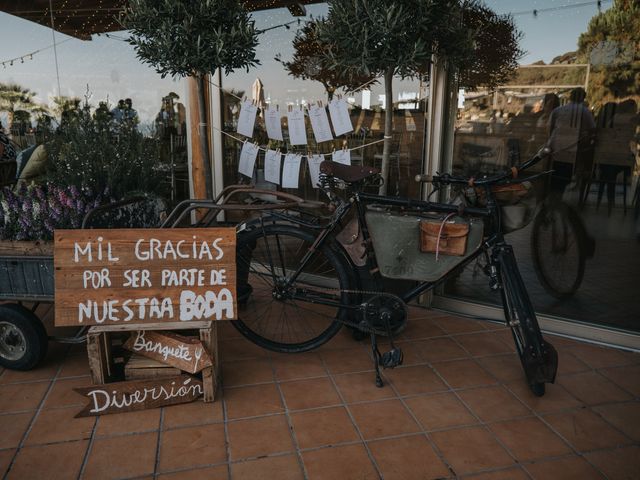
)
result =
(448, 179)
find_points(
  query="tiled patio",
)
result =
(459, 407)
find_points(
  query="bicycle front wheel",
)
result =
(538, 357)
(558, 249)
(277, 313)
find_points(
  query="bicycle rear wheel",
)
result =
(286, 317)
(559, 251)
(538, 357)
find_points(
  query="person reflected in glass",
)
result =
(571, 139)
(130, 115)
(520, 130)
(616, 144)
(117, 114)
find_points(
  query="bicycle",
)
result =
(297, 286)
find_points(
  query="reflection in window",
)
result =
(575, 231)
(102, 73)
(366, 113)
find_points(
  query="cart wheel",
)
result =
(23, 339)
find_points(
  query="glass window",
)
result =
(365, 110)
(575, 232)
(102, 73)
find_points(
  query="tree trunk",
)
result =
(9, 119)
(204, 142)
(388, 129)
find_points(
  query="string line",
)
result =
(264, 149)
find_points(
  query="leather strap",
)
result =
(440, 233)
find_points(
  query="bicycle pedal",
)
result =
(392, 358)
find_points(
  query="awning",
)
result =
(83, 18)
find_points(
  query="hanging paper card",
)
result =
(297, 130)
(272, 122)
(320, 123)
(340, 119)
(247, 118)
(314, 162)
(342, 156)
(272, 160)
(248, 159)
(291, 170)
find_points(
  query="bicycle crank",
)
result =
(384, 312)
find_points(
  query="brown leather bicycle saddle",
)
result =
(348, 173)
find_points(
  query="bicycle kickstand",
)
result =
(376, 359)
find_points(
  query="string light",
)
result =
(537, 11)
(29, 56)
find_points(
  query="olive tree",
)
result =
(310, 63)
(400, 38)
(189, 38)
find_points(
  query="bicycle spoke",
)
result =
(271, 316)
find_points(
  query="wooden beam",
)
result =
(199, 189)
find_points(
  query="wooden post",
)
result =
(209, 338)
(197, 162)
(98, 357)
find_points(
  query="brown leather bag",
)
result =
(443, 237)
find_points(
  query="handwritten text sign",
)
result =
(135, 395)
(320, 123)
(314, 162)
(136, 276)
(247, 118)
(273, 124)
(297, 129)
(187, 354)
(339, 111)
(291, 170)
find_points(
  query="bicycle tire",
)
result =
(265, 256)
(558, 246)
(538, 357)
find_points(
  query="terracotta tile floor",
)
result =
(458, 408)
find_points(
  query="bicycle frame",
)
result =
(359, 199)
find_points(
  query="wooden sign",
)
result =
(137, 276)
(135, 395)
(187, 354)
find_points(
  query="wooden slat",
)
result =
(95, 356)
(209, 337)
(139, 367)
(123, 327)
(20, 248)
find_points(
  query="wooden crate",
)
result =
(101, 362)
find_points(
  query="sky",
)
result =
(110, 69)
